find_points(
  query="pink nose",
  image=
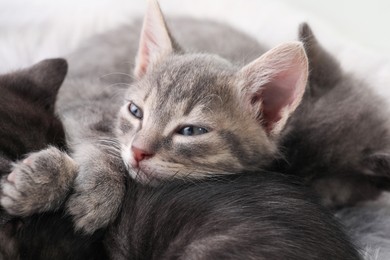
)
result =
(140, 154)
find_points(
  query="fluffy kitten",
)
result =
(29, 124)
(338, 140)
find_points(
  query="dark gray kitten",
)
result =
(338, 140)
(27, 118)
(28, 124)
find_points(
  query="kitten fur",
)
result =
(338, 140)
(259, 215)
(29, 124)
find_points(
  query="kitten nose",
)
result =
(140, 154)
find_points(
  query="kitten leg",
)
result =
(40, 183)
(99, 187)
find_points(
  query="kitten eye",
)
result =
(135, 111)
(192, 130)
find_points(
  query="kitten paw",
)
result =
(99, 187)
(96, 201)
(39, 183)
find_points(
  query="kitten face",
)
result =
(187, 116)
(193, 115)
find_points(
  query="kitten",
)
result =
(338, 140)
(29, 124)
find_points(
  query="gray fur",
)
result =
(39, 177)
(339, 138)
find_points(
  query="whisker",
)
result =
(120, 84)
(118, 73)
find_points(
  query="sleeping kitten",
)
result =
(29, 124)
(338, 140)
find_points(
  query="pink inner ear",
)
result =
(155, 40)
(144, 53)
(276, 96)
(275, 83)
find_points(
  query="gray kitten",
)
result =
(187, 115)
(338, 140)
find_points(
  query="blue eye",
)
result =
(135, 111)
(192, 130)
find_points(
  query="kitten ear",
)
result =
(48, 76)
(273, 85)
(156, 41)
(325, 71)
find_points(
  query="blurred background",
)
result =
(355, 31)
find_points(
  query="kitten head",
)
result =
(325, 71)
(191, 114)
(27, 119)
